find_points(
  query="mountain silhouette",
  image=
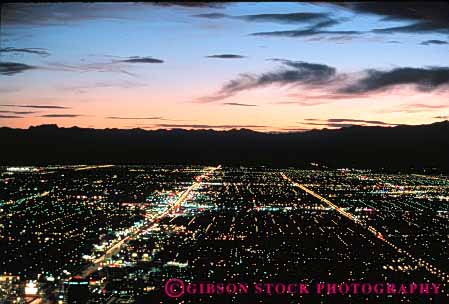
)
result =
(400, 147)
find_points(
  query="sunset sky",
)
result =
(262, 66)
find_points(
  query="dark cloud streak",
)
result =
(425, 79)
(37, 51)
(212, 16)
(304, 33)
(375, 122)
(191, 4)
(434, 41)
(35, 106)
(239, 104)
(19, 112)
(10, 116)
(424, 17)
(61, 115)
(135, 118)
(290, 18)
(137, 59)
(226, 56)
(12, 68)
(317, 22)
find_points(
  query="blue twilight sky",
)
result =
(271, 66)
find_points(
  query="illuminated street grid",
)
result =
(126, 229)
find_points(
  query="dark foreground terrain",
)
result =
(401, 147)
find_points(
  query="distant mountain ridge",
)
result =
(400, 147)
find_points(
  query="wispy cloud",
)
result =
(303, 102)
(425, 106)
(317, 24)
(124, 84)
(295, 72)
(90, 67)
(321, 83)
(419, 107)
(322, 95)
(57, 14)
(114, 66)
(430, 17)
(344, 122)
